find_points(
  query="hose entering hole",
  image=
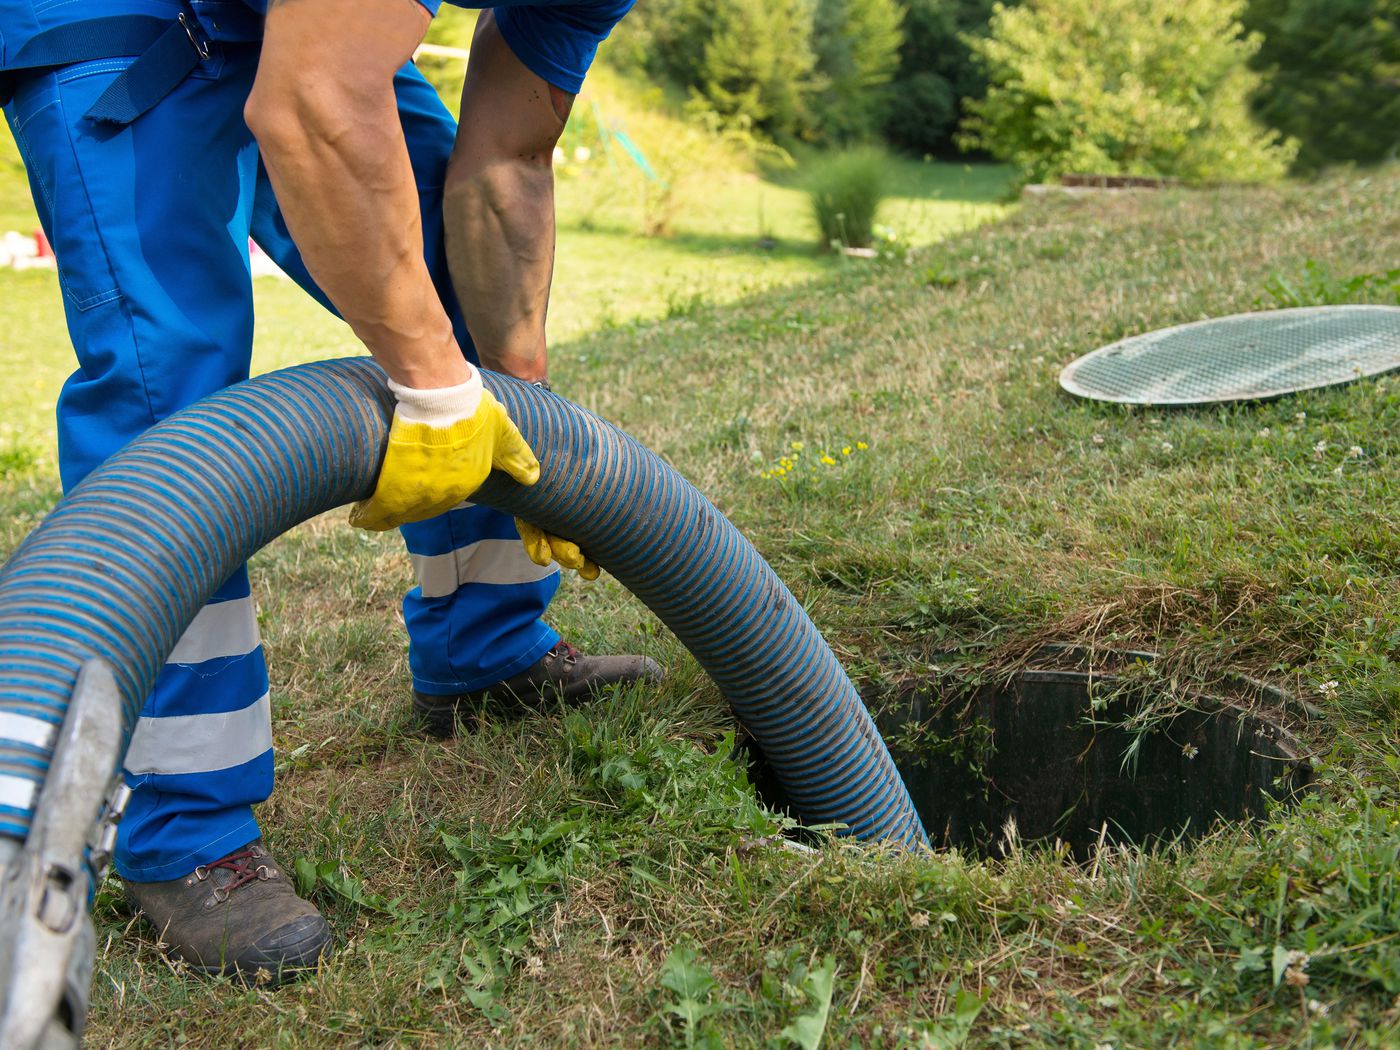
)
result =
(123, 564)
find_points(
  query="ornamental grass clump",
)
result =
(846, 189)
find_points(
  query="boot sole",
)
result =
(442, 716)
(296, 949)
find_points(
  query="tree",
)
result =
(749, 61)
(811, 69)
(1138, 87)
(1331, 76)
(937, 71)
(857, 53)
(757, 63)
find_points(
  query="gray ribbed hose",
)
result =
(124, 563)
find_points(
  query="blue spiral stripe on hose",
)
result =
(124, 563)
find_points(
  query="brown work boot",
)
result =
(238, 915)
(563, 674)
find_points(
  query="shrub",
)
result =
(937, 71)
(1137, 87)
(750, 61)
(846, 190)
(1330, 68)
(857, 52)
(757, 63)
(791, 69)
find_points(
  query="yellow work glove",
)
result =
(544, 548)
(442, 445)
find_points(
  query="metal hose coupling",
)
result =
(46, 935)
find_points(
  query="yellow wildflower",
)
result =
(798, 446)
(828, 460)
(862, 445)
(846, 451)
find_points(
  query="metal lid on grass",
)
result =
(1247, 357)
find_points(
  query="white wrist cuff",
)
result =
(440, 407)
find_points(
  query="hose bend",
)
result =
(123, 564)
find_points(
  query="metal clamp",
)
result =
(47, 942)
(103, 842)
(195, 32)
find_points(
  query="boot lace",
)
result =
(566, 652)
(247, 867)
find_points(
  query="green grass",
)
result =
(16, 206)
(605, 878)
(733, 233)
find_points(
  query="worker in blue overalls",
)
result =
(130, 116)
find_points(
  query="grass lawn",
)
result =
(604, 877)
(734, 235)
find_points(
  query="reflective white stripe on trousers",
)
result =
(485, 561)
(200, 743)
(220, 630)
(203, 743)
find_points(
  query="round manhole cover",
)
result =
(1247, 357)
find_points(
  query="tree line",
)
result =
(1201, 89)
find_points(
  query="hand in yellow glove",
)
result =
(544, 548)
(442, 445)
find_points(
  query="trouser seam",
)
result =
(168, 869)
(103, 244)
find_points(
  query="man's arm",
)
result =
(499, 204)
(323, 112)
(498, 209)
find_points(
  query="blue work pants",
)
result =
(150, 224)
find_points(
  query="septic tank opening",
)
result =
(1063, 750)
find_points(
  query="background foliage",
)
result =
(857, 46)
(937, 72)
(1201, 90)
(749, 59)
(1140, 87)
(1150, 87)
(1331, 76)
(794, 69)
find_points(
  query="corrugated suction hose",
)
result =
(123, 564)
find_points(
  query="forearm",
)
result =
(330, 137)
(498, 204)
(500, 248)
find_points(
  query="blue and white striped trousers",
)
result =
(150, 224)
